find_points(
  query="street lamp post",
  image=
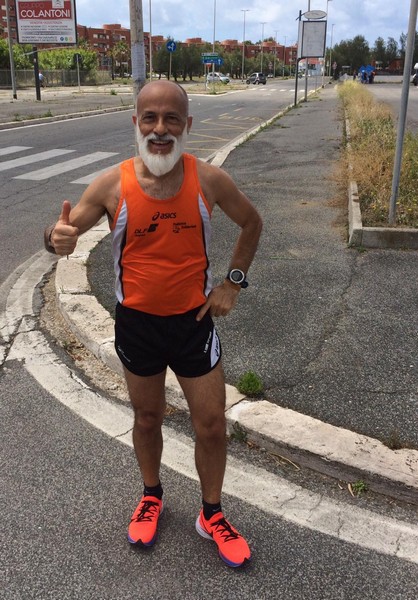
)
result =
(150, 42)
(275, 53)
(330, 51)
(284, 54)
(244, 10)
(262, 38)
(329, 68)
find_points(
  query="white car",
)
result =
(217, 77)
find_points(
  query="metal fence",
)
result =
(55, 78)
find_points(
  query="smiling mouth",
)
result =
(160, 145)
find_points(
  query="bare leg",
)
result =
(148, 401)
(206, 399)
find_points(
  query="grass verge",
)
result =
(370, 157)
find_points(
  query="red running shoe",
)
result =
(143, 526)
(232, 547)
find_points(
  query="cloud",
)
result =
(194, 18)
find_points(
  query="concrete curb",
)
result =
(374, 237)
(325, 448)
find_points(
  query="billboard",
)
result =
(312, 36)
(46, 22)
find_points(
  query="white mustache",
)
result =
(154, 137)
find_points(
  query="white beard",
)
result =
(160, 164)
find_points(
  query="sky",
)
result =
(182, 19)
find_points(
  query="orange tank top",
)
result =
(160, 247)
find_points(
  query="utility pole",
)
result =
(307, 64)
(137, 47)
(150, 42)
(403, 109)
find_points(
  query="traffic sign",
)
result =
(206, 60)
(209, 55)
(171, 46)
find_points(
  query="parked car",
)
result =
(217, 77)
(257, 78)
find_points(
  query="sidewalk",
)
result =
(331, 331)
(60, 102)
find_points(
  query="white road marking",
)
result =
(89, 178)
(13, 149)
(64, 167)
(288, 501)
(33, 158)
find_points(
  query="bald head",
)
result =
(171, 92)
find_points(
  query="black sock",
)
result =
(156, 491)
(210, 509)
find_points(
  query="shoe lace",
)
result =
(225, 530)
(146, 511)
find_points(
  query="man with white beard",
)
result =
(159, 207)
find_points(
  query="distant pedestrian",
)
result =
(42, 80)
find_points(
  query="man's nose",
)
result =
(160, 127)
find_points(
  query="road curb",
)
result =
(376, 237)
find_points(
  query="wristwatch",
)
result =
(237, 276)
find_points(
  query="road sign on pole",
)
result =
(171, 46)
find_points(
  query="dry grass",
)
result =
(371, 156)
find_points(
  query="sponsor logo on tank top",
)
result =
(150, 229)
(177, 227)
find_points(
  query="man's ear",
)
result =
(189, 123)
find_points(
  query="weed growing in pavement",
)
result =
(250, 384)
(359, 487)
(113, 92)
(370, 157)
(239, 434)
(18, 117)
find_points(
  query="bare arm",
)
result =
(99, 198)
(219, 189)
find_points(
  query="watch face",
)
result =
(236, 276)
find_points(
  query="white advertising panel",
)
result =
(46, 22)
(312, 37)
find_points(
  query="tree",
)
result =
(190, 61)
(379, 52)
(120, 54)
(4, 54)
(392, 50)
(65, 59)
(355, 53)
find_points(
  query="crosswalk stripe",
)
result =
(89, 178)
(27, 160)
(64, 167)
(13, 149)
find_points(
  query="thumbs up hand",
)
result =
(64, 236)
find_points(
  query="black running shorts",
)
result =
(146, 344)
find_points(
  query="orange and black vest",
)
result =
(160, 247)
